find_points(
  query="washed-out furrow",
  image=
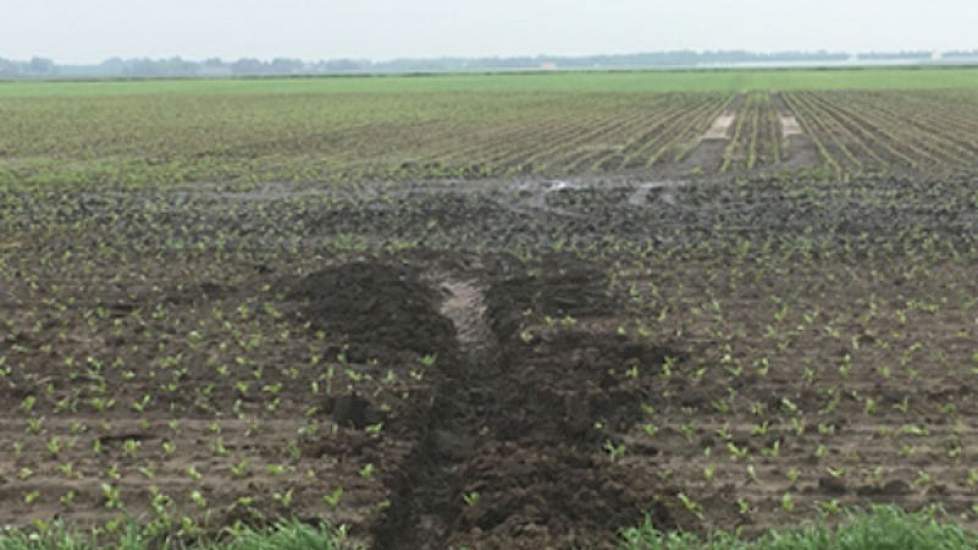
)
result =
(656, 147)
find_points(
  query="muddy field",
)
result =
(501, 364)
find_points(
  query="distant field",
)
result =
(478, 126)
(624, 81)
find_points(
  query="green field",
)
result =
(469, 126)
(575, 82)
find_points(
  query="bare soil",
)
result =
(707, 156)
(790, 126)
(798, 149)
(800, 152)
(721, 126)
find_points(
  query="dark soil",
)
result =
(514, 453)
(598, 352)
(559, 287)
(373, 304)
(706, 158)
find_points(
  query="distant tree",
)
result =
(342, 66)
(41, 66)
(284, 66)
(961, 54)
(113, 64)
(176, 66)
(880, 56)
(8, 68)
(248, 66)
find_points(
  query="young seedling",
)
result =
(193, 474)
(471, 499)
(130, 448)
(615, 452)
(241, 469)
(333, 498)
(169, 448)
(787, 503)
(284, 498)
(691, 505)
(111, 496)
(709, 472)
(198, 499)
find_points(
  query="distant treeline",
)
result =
(177, 67)
(961, 54)
(889, 56)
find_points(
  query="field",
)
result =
(489, 311)
(475, 127)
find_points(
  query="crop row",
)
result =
(873, 132)
(163, 139)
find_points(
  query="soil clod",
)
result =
(353, 411)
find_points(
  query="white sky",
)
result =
(92, 30)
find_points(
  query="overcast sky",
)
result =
(92, 30)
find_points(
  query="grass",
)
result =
(285, 536)
(882, 528)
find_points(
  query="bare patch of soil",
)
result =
(789, 125)
(511, 426)
(644, 193)
(562, 288)
(465, 307)
(373, 305)
(799, 152)
(721, 126)
(798, 149)
(706, 158)
(555, 411)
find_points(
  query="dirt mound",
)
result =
(515, 450)
(558, 286)
(540, 475)
(545, 476)
(373, 304)
(558, 498)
